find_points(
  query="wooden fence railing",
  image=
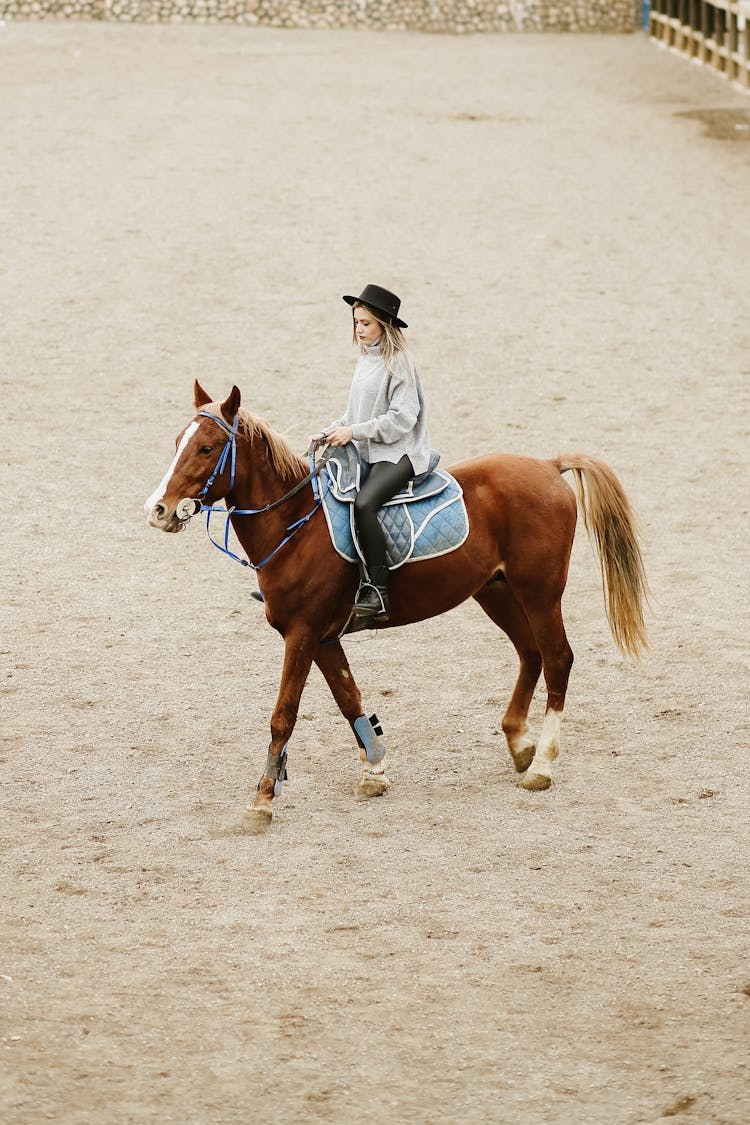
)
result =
(714, 32)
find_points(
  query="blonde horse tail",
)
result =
(612, 529)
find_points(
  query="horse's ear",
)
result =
(200, 397)
(231, 404)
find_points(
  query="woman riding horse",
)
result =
(386, 418)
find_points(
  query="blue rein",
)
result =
(229, 452)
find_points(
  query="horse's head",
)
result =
(203, 464)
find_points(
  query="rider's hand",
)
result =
(342, 435)
(317, 439)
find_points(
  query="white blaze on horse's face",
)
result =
(158, 514)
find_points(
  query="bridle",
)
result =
(191, 506)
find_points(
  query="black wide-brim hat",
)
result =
(381, 301)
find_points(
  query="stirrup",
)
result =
(371, 601)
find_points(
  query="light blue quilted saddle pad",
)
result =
(428, 518)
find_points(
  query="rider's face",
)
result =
(367, 328)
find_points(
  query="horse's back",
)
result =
(513, 477)
(520, 510)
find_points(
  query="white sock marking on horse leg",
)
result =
(369, 767)
(374, 781)
(548, 746)
(158, 492)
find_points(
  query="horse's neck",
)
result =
(258, 484)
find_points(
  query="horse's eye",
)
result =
(205, 450)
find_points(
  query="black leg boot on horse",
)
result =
(383, 482)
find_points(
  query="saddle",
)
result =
(427, 518)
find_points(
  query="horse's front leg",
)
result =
(298, 656)
(331, 659)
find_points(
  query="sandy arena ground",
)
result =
(567, 221)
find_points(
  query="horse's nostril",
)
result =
(159, 511)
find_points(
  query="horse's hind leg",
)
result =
(500, 604)
(331, 659)
(557, 660)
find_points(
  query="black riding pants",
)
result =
(383, 482)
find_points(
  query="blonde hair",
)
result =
(391, 342)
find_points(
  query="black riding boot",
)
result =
(372, 595)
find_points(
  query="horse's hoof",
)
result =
(535, 782)
(259, 814)
(252, 823)
(373, 785)
(523, 758)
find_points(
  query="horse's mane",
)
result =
(288, 464)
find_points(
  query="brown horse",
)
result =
(514, 563)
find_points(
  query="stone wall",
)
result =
(451, 16)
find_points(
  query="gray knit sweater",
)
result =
(387, 411)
